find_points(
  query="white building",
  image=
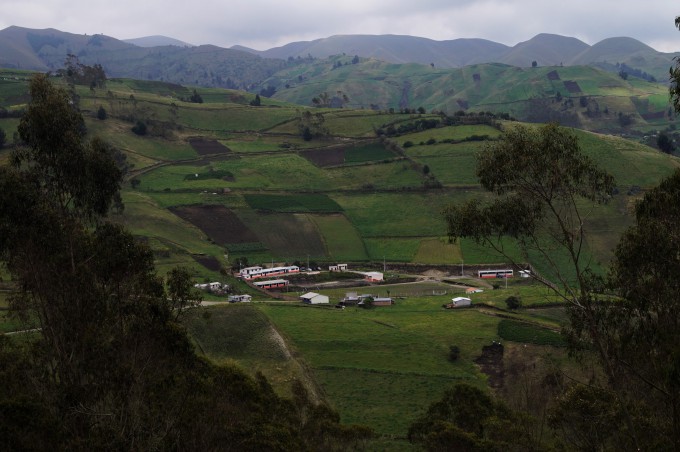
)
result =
(374, 276)
(240, 298)
(460, 302)
(314, 298)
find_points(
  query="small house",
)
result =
(383, 301)
(459, 302)
(271, 284)
(337, 268)
(314, 298)
(471, 290)
(240, 298)
(374, 276)
(525, 273)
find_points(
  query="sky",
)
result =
(263, 24)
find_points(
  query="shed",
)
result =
(461, 301)
(383, 301)
(374, 276)
(314, 298)
(470, 290)
(337, 268)
(240, 298)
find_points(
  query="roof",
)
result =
(309, 295)
(271, 281)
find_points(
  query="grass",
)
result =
(438, 251)
(292, 203)
(382, 367)
(242, 334)
(515, 331)
(394, 249)
(342, 240)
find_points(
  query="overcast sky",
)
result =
(262, 24)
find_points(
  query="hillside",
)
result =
(343, 195)
(580, 96)
(546, 49)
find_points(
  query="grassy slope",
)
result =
(386, 215)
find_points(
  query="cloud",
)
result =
(265, 23)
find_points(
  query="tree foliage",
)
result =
(468, 419)
(642, 328)
(541, 182)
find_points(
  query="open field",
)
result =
(382, 367)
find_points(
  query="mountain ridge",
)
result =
(242, 67)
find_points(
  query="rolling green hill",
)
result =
(580, 96)
(223, 179)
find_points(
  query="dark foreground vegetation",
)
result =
(105, 363)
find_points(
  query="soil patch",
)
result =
(203, 146)
(572, 86)
(217, 222)
(491, 363)
(209, 262)
(325, 157)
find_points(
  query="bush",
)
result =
(139, 128)
(454, 353)
(513, 302)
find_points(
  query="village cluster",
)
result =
(259, 277)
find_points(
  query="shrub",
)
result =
(513, 302)
(454, 353)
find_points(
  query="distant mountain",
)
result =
(394, 49)
(545, 49)
(46, 50)
(157, 41)
(167, 59)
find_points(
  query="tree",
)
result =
(454, 353)
(643, 326)
(256, 102)
(534, 63)
(3, 138)
(355, 60)
(665, 143)
(196, 98)
(101, 113)
(674, 89)
(139, 128)
(513, 302)
(466, 418)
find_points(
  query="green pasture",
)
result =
(456, 133)
(142, 216)
(629, 162)
(177, 198)
(216, 117)
(367, 153)
(438, 250)
(288, 236)
(384, 352)
(515, 331)
(395, 249)
(242, 334)
(292, 203)
(119, 134)
(451, 164)
(342, 240)
(385, 214)
(356, 123)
